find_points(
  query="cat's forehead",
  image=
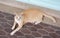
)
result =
(19, 14)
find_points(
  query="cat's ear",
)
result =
(22, 13)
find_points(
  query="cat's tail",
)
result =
(51, 17)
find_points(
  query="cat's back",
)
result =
(32, 12)
(32, 15)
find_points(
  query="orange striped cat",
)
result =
(30, 15)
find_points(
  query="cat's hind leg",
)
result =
(39, 21)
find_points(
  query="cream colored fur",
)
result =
(30, 15)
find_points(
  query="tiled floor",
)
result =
(29, 30)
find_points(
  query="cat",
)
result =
(29, 15)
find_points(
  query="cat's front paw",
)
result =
(11, 33)
(12, 28)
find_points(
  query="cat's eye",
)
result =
(17, 17)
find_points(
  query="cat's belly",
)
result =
(31, 20)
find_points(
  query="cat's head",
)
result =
(19, 16)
